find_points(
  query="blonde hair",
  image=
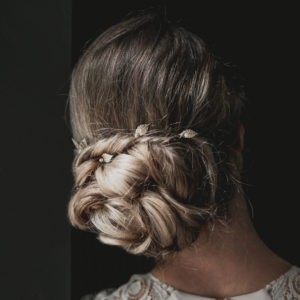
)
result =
(154, 191)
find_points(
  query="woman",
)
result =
(158, 125)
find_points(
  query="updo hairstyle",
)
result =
(155, 119)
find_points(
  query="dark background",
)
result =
(39, 43)
(35, 151)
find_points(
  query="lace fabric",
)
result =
(148, 287)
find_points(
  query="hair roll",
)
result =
(144, 196)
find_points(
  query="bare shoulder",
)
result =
(139, 287)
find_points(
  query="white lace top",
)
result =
(148, 287)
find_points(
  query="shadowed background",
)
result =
(35, 46)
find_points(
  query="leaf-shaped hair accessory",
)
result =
(106, 158)
(188, 133)
(141, 130)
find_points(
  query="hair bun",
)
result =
(136, 201)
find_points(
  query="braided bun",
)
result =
(143, 198)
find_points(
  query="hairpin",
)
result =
(141, 130)
(188, 133)
(106, 158)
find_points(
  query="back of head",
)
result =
(151, 188)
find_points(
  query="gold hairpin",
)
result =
(188, 133)
(106, 158)
(141, 130)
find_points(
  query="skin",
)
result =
(226, 261)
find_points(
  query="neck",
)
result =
(226, 261)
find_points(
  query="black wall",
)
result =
(35, 45)
(258, 39)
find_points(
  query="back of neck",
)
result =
(230, 260)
